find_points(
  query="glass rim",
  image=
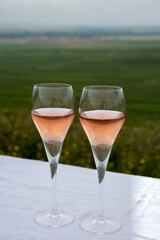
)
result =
(53, 85)
(102, 87)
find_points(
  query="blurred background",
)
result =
(82, 42)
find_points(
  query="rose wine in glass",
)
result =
(102, 115)
(52, 111)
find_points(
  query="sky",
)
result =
(102, 13)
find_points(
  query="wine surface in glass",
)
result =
(102, 128)
(52, 123)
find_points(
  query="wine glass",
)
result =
(102, 114)
(52, 111)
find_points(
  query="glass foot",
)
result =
(52, 219)
(100, 226)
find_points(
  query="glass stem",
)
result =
(101, 200)
(54, 193)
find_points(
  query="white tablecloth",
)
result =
(25, 189)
